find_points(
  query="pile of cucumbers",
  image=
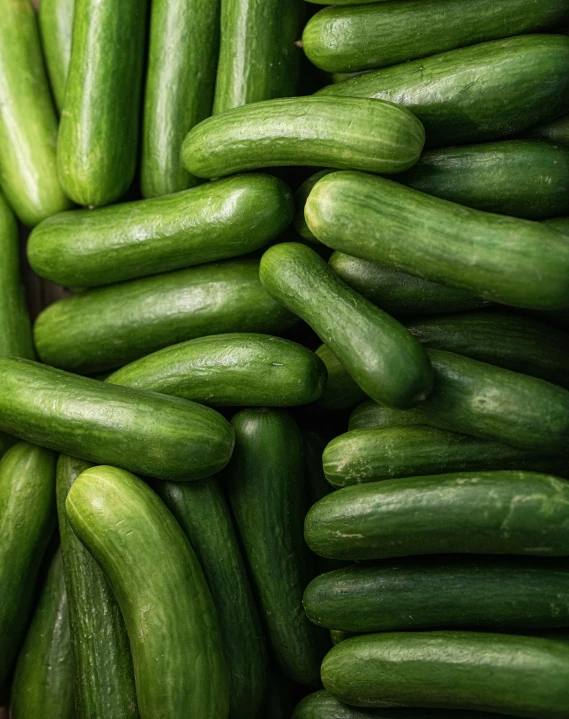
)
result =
(293, 440)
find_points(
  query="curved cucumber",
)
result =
(161, 590)
(237, 369)
(503, 259)
(341, 390)
(155, 435)
(378, 352)
(555, 131)
(351, 133)
(56, 29)
(230, 217)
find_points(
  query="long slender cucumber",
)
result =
(56, 29)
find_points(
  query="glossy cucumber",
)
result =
(162, 592)
(341, 390)
(556, 131)
(56, 29)
(301, 195)
(165, 437)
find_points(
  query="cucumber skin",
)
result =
(300, 197)
(27, 518)
(98, 133)
(180, 82)
(56, 29)
(233, 216)
(374, 347)
(349, 133)
(525, 676)
(459, 513)
(515, 262)
(161, 590)
(371, 414)
(341, 391)
(556, 131)
(478, 93)
(28, 124)
(42, 684)
(238, 369)
(80, 416)
(85, 333)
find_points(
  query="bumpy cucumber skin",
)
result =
(350, 133)
(98, 133)
(341, 390)
(42, 685)
(162, 592)
(230, 217)
(56, 29)
(165, 437)
(374, 347)
(555, 131)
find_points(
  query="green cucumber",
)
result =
(266, 491)
(85, 332)
(524, 676)
(258, 58)
(240, 369)
(180, 82)
(351, 133)
(202, 511)
(341, 390)
(6, 441)
(378, 352)
(371, 414)
(42, 685)
(555, 131)
(169, 613)
(27, 518)
(28, 124)
(337, 635)
(503, 512)
(222, 219)
(301, 195)
(56, 29)
(503, 259)
(103, 677)
(98, 134)
(476, 93)
(560, 224)
(523, 178)
(165, 437)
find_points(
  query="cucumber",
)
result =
(28, 124)
(301, 195)
(478, 93)
(6, 441)
(524, 676)
(98, 134)
(503, 259)
(398, 292)
(378, 352)
(42, 685)
(230, 217)
(523, 178)
(180, 82)
(202, 511)
(266, 492)
(85, 333)
(347, 39)
(337, 635)
(351, 133)
(56, 29)
(371, 414)
(165, 437)
(560, 224)
(341, 390)
(103, 677)
(169, 613)
(462, 513)
(27, 518)
(258, 57)
(232, 370)
(557, 130)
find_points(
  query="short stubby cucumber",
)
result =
(341, 390)
(56, 28)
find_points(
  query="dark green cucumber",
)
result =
(280, 700)
(27, 518)
(398, 292)
(341, 390)
(506, 674)
(43, 685)
(202, 511)
(165, 437)
(169, 613)
(6, 441)
(56, 29)
(230, 217)
(477, 93)
(351, 133)
(240, 369)
(378, 352)
(371, 414)
(523, 178)
(555, 131)
(103, 677)
(461, 513)
(301, 195)
(503, 259)
(85, 332)
(28, 124)
(258, 58)
(180, 82)
(265, 485)
(98, 134)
